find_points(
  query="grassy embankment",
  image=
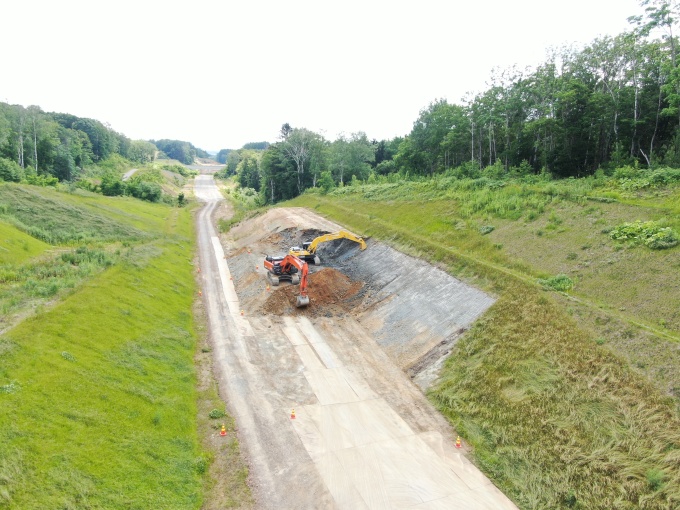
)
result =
(545, 389)
(98, 389)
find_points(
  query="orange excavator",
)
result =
(287, 268)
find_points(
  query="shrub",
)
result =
(649, 233)
(10, 171)
(68, 356)
(41, 180)
(561, 283)
(149, 191)
(655, 478)
(486, 229)
(326, 182)
(216, 414)
(663, 239)
(112, 185)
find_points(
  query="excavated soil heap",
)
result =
(330, 293)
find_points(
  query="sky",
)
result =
(220, 73)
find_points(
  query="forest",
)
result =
(610, 104)
(39, 147)
(613, 103)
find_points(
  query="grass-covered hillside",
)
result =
(101, 404)
(568, 389)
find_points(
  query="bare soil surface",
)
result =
(325, 412)
(329, 289)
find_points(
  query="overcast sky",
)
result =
(222, 73)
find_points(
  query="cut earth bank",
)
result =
(413, 310)
(377, 322)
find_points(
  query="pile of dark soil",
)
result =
(330, 293)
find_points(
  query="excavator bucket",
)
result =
(302, 301)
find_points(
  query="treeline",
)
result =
(303, 159)
(184, 152)
(40, 147)
(56, 145)
(611, 104)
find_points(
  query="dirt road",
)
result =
(129, 173)
(363, 436)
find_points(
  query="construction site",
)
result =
(329, 397)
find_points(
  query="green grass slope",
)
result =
(17, 247)
(98, 389)
(98, 394)
(545, 389)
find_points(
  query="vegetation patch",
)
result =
(245, 203)
(561, 283)
(112, 366)
(649, 233)
(39, 280)
(16, 246)
(552, 417)
(53, 221)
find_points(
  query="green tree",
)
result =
(10, 171)
(297, 147)
(112, 185)
(233, 159)
(141, 151)
(221, 156)
(64, 167)
(427, 154)
(183, 152)
(326, 182)
(256, 146)
(248, 170)
(103, 144)
(278, 175)
(361, 154)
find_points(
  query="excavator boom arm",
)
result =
(286, 264)
(292, 260)
(336, 235)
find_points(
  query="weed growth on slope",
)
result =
(98, 391)
(53, 221)
(554, 418)
(17, 247)
(104, 415)
(43, 279)
(650, 233)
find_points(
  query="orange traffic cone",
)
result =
(223, 432)
(458, 442)
(292, 414)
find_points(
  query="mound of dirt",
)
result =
(330, 293)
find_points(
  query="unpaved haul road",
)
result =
(363, 436)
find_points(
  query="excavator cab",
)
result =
(287, 268)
